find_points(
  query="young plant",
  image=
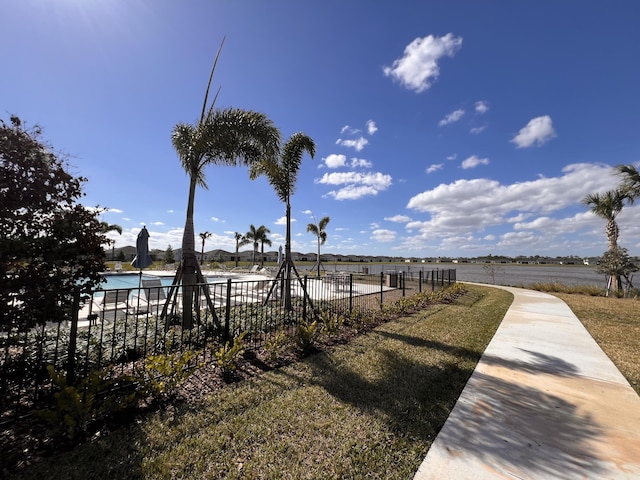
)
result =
(227, 356)
(331, 322)
(276, 345)
(161, 374)
(306, 335)
(76, 407)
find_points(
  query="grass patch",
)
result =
(370, 408)
(614, 324)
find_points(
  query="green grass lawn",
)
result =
(369, 408)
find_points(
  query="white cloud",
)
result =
(357, 144)
(352, 192)
(282, 221)
(481, 107)
(360, 162)
(375, 179)
(417, 69)
(335, 161)
(157, 223)
(216, 219)
(468, 206)
(349, 130)
(473, 161)
(477, 130)
(398, 219)
(452, 157)
(452, 117)
(356, 185)
(383, 235)
(538, 131)
(114, 210)
(371, 127)
(435, 167)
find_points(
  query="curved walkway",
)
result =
(544, 402)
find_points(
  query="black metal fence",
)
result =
(116, 328)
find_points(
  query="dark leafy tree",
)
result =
(169, 256)
(50, 244)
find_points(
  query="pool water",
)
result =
(120, 281)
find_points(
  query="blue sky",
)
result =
(442, 128)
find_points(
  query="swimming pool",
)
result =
(132, 280)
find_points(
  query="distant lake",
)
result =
(506, 274)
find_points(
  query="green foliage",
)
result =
(276, 345)
(227, 356)
(306, 335)
(161, 374)
(48, 240)
(169, 257)
(76, 407)
(331, 322)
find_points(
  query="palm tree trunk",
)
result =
(318, 259)
(189, 262)
(287, 257)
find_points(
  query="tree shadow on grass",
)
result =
(509, 424)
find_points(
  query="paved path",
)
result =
(544, 402)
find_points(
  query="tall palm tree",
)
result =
(319, 231)
(229, 137)
(608, 205)
(241, 241)
(282, 173)
(203, 236)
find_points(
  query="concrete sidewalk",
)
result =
(544, 402)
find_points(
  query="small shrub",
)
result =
(331, 322)
(227, 356)
(276, 345)
(76, 407)
(306, 335)
(161, 374)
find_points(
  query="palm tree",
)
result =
(107, 227)
(319, 231)
(229, 137)
(203, 236)
(282, 173)
(630, 181)
(263, 239)
(608, 205)
(241, 241)
(256, 236)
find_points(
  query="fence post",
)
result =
(304, 298)
(227, 311)
(433, 280)
(73, 337)
(420, 281)
(350, 294)
(401, 278)
(381, 289)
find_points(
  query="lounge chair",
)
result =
(154, 294)
(113, 301)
